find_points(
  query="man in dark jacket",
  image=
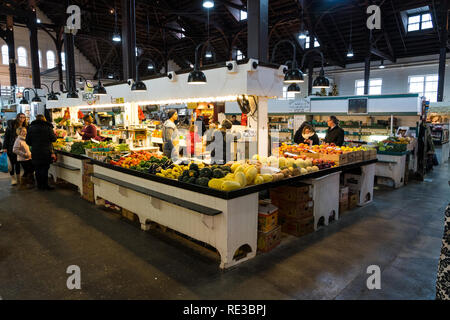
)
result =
(40, 137)
(335, 134)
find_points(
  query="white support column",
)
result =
(261, 126)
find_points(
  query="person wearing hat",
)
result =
(335, 134)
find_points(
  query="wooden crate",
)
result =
(358, 156)
(350, 157)
(339, 159)
(352, 201)
(269, 240)
(310, 155)
(366, 155)
(298, 228)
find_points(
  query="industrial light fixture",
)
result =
(381, 66)
(116, 36)
(350, 53)
(150, 66)
(110, 76)
(303, 33)
(293, 75)
(208, 4)
(321, 82)
(197, 76)
(138, 86)
(53, 96)
(294, 88)
(35, 99)
(72, 94)
(208, 54)
(99, 90)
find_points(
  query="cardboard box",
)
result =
(300, 192)
(343, 207)
(350, 157)
(343, 194)
(296, 210)
(353, 181)
(267, 217)
(353, 201)
(298, 228)
(269, 240)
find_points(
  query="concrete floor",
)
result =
(43, 233)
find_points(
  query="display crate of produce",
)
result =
(267, 217)
(358, 156)
(350, 157)
(339, 159)
(269, 240)
(392, 153)
(298, 228)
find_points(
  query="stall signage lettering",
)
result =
(299, 105)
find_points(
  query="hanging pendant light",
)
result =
(381, 66)
(72, 95)
(321, 82)
(350, 53)
(116, 36)
(197, 76)
(294, 74)
(208, 4)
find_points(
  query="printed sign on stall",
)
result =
(299, 105)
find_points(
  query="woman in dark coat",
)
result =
(308, 136)
(8, 144)
(40, 138)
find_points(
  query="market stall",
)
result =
(215, 204)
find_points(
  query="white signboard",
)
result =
(299, 105)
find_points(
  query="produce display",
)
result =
(322, 149)
(394, 144)
(80, 147)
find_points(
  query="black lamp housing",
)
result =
(138, 86)
(35, 98)
(321, 82)
(99, 90)
(72, 95)
(52, 96)
(197, 76)
(294, 74)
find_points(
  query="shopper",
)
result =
(170, 135)
(335, 134)
(298, 133)
(309, 136)
(89, 130)
(40, 137)
(192, 139)
(234, 121)
(8, 145)
(221, 143)
(22, 150)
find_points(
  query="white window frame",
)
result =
(359, 85)
(22, 57)
(40, 58)
(243, 15)
(5, 54)
(63, 61)
(308, 42)
(239, 55)
(420, 22)
(51, 61)
(428, 80)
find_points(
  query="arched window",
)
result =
(50, 59)
(5, 55)
(22, 57)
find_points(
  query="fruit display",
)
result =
(157, 134)
(393, 144)
(322, 149)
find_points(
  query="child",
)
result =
(22, 150)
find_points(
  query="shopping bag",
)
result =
(3, 162)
